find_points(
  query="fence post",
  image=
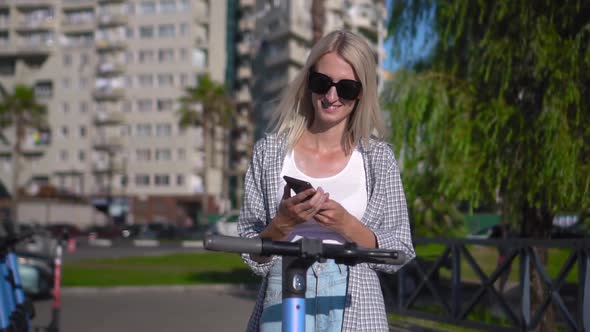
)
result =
(401, 291)
(456, 280)
(525, 284)
(584, 289)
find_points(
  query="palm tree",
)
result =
(208, 105)
(20, 111)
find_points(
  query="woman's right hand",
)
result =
(298, 209)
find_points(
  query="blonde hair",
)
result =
(295, 111)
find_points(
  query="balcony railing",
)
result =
(110, 68)
(112, 19)
(107, 93)
(108, 143)
(110, 44)
(108, 118)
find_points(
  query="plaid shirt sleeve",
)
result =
(387, 212)
(253, 216)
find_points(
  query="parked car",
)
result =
(227, 224)
(58, 230)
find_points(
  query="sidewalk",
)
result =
(151, 309)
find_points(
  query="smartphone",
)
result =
(297, 185)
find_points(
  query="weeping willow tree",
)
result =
(498, 110)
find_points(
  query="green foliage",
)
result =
(499, 110)
(207, 100)
(21, 107)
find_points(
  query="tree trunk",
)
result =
(16, 153)
(537, 224)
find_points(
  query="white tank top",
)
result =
(348, 188)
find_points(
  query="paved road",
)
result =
(208, 308)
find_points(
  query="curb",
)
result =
(246, 288)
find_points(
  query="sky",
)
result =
(390, 63)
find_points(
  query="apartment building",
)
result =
(275, 38)
(110, 72)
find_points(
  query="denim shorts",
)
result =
(325, 297)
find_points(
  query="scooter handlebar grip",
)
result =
(232, 244)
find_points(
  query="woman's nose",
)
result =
(332, 94)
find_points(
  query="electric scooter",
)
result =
(297, 258)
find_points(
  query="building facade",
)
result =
(111, 72)
(276, 36)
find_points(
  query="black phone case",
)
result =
(296, 184)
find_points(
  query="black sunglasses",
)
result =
(321, 84)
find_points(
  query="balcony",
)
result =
(33, 3)
(244, 48)
(108, 93)
(247, 4)
(244, 72)
(37, 24)
(247, 24)
(104, 45)
(34, 47)
(110, 68)
(70, 25)
(244, 96)
(108, 118)
(77, 4)
(111, 19)
(108, 143)
(103, 166)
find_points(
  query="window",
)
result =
(128, 81)
(142, 180)
(184, 29)
(146, 56)
(181, 154)
(65, 132)
(143, 129)
(179, 180)
(183, 80)
(165, 79)
(67, 60)
(166, 55)
(183, 54)
(128, 57)
(162, 180)
(167, 6)
(83, 107)
(163, 154)
(183, 4)
(83, 82)
(63, 155)
(125, 130)
(129, 32)
(144, 105)
(127, 106)
(143, 154)
(82, 131)
(81, 155)
(165, 105)
(65, 107)
(163, 129)
(65, 82)
(147, 7)
(83, 59)
(145, 80)
(146, 31)
(166, 30)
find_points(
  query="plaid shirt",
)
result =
(386, 215)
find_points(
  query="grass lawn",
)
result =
(176, 269)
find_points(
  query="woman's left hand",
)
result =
(334, 217)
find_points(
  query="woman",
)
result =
(323, 134)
